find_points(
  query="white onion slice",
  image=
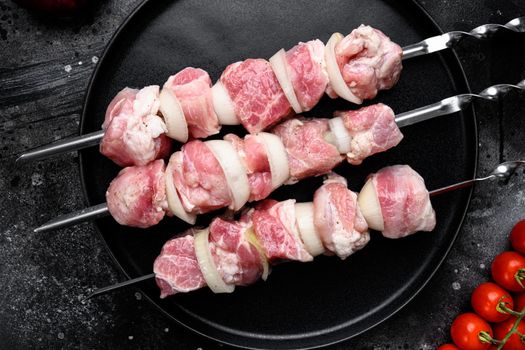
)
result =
(223, 105)
(277, 157)
(234, 171)
(343, 139)
(278, 63)
(304, 213)
(250, 236)
(334, 74)
(207, 265)
(174, 203)
(173, 116)
(370, 207)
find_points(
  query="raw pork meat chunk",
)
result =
(133, 132)
(404, 200)
(373, 129)
(256, 94)
(338, 219)
(137, 196)
(192, 87)
(309, 154)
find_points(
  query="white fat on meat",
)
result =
(338, 218)
(140, 137)
(134, 133)
(147, 101)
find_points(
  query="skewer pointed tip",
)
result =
(38, 229)
(117, 286)
(87, 297)
(20, 159)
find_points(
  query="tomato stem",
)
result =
(512, 330)
(484, 337)
(519, 276)
(502, 308)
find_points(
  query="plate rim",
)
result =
(426, 280)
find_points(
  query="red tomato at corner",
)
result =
(466, 329)
(448, 347)
(485, 299)
(507, 268)
(514, 342)
(517, 237)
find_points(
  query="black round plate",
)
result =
(328, 300)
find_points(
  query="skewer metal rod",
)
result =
(64, 146)
(459, 185)
(119, 285)
(76, 217)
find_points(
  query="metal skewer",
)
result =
(443, 41)
(424, 47)
(119, 285)
(503, 172)
(63, 146)
(443, 107)
(91, 213)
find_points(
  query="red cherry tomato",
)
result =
(514, 342)
(486, 298)
(519, 301)
(507, 269)
(448, 347)
(517, 237)
(467, 331)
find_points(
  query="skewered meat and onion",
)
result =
(205, 176)
(255, 93)
(334, 224)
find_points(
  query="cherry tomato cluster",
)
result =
(496, 322)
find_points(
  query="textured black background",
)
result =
(45, 66)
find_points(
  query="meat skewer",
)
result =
(449, 105)
(350, 81)
(259, 164)
(336, 223)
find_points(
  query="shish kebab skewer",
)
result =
(341, 139)
(256, 93)
(336, 223)
(292, 87)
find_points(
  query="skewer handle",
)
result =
(76, 217)
(441, 42)
(64, 146)
(455, 104)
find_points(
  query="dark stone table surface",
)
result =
(45, 66)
